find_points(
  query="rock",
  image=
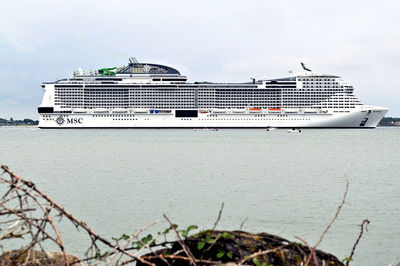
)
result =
(233, 247)
(18, 257)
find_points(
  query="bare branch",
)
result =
(22, 210)
(336, 214)
(182, 258)
(134, 235)
(313, 249)
(241, 225)
(259, 253)
(219, 216)
(183, 245)
(366, 223)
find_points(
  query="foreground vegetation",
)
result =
(30, 215)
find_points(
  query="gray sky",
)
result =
(205, 40)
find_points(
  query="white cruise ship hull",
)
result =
(365, 117)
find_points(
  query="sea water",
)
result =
(118, 181)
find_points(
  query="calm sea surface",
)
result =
(118, 181)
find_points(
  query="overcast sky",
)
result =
(206, 40)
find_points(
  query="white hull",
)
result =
(365, 117)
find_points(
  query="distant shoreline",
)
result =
(24, 122)
(389, 122)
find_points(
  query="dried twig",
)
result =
(366, 223)
(241, 225)
(336, 214)
(23, 210)
(259, 253)
(313, 249)
(126, 242)
(182, 258)
(219, 216)
(183, 245)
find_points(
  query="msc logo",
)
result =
(74, 120)
(61, 120)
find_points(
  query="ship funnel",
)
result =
(133, 60)
(304, 67)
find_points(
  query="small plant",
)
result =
(122, 237)
(101, 256)
(147, 240)
(185, 233)
(258, 263)
(173, 226)
(226, 235)
(209, 239)
(347, 259)
(222, 253)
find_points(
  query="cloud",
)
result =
(19, 39)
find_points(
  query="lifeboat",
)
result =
(203, 111)
(119, 110)
(141, 110)
(101, 110)
(79, 111)
(255, 110)
(238, 110)
(219, 111)
(310, 111)
(164, 111)
(274, 110)
(291, 111)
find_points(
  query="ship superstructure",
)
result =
(144, 95)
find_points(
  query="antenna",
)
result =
(304, 67)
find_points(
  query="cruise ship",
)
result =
(145, 95)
